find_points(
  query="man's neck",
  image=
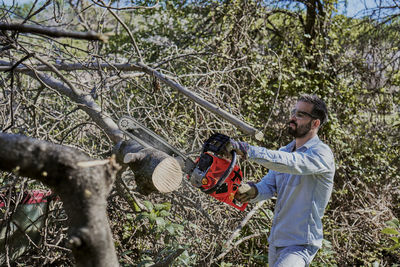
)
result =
(302, 140)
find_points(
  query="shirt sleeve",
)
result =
(266, 188)
(300, 163)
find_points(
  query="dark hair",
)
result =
(319, 110)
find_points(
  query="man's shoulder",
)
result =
(322, 149)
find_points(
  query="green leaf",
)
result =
(160, 222)
(395, 247)
(159, 206)
(178, 227)
(164, 213)
(127, 252)
(390, 231)
(170, 229)
(142, 215)
(167, 206)
(394, 223)
(152, 217)
(149, 206)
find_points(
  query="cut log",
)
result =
(155, 171)
(167, 176)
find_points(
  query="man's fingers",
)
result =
(244, 188)
(245, 193)
(242, 198)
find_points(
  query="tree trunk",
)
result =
(82, 184)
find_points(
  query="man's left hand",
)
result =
(246, 192)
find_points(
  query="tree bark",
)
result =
(155, 171)
(82, 184)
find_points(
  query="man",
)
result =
(301, 175)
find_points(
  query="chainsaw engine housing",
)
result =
(207, 176)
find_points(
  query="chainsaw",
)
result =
(210, 172)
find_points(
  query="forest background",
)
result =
(249, 58)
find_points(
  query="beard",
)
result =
(299, 131)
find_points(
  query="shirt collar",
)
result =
(311, 142)
(307, 145)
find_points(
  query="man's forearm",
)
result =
(293, 163)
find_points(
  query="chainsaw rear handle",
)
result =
(224, 176)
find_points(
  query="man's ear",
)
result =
(316, 123)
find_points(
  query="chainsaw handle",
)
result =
(224, 176)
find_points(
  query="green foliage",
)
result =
(326, 256)
(393, 232)
(157, 216)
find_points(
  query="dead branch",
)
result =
(228, 244)
(90, 35)
(248, 129)
(84, 102)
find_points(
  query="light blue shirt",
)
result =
(302, 181)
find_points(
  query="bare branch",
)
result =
(93, 36)
(84, 102)
(125, 8)
(127, 30)
(55, 70)
(228, 244)
(246, 128)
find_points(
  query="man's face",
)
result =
(300, 122)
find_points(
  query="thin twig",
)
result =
(126, 8)
(127, 30)
(228, 244)
(55, 70)
(237, 243)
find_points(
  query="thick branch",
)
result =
(248, 129)
(53, 32)
(155, 171)
(83, 191)
(84, 102)
(5, 66)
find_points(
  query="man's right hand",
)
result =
(246, 192)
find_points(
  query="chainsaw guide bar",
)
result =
(147, 138)
(211, 173)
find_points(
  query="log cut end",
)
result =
(167, 176)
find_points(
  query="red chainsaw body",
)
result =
(213, 169)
